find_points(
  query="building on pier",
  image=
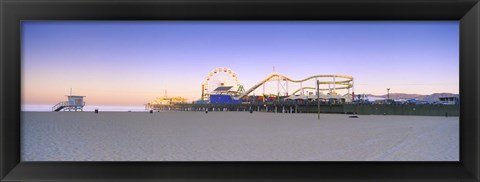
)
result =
(163, 103)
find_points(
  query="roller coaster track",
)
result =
(276, 76)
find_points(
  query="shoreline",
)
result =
(246, 112)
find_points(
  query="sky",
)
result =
(129, 63)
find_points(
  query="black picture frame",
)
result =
(14, 11)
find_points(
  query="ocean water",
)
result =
(43, 108)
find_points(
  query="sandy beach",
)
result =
(236, 136)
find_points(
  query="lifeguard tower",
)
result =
(74, 103)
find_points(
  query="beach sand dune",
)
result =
(235, 136)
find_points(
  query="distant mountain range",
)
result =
(431, 97)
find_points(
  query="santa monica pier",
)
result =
(222, 91)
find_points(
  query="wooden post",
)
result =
(318, 98)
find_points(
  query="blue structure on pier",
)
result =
(223, 99)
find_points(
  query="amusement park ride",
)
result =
(222, 86)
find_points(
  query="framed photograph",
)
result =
(227, 90)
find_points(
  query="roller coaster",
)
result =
(223, 82)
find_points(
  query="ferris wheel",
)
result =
(220, 77)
